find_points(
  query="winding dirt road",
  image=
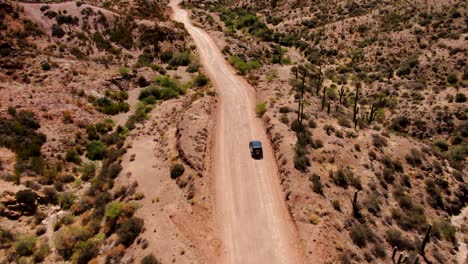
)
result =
(255, 225)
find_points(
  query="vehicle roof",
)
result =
(256, 143)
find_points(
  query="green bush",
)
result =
(414, 157)
(193, 67)
(88, 171)
(66, 200)
(166, 56)
(361, 234)
(67, 238)
(72, 156)
(345, 177)
(301, 163)
(395, 239)
(180, 59)
(123, 71)
(242, 66)
(260, 109)
(446, 230)
(452, 78)
(57, 31)
(201, 80)
(379, 141)
(177, 170)
(317, 186)
(114, 210)
(150, 259)
(25, 245)
(45, 66)
(460, 98)
(85, 251)
(129, 230)
(95, 150)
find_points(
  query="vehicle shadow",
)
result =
(257, 157)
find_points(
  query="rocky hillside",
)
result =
(76, 79)
(365, 100)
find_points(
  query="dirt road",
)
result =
(255, 225)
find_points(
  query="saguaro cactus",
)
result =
(401, 259)
(356, 99)
(341, 93)
(356, 210)
(372, 114)
(425, 240)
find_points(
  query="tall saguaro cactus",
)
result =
(356, 210)
(341, 93)
(356, 99)
(425, 240)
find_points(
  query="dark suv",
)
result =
(256, 150)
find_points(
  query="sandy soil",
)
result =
(256, 227)
(461, 222)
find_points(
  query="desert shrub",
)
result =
(316, 144)
(45, 66)
(129, 230)
(379, 141)
(361, 234)
(72, 156)
(435, 194)
(242, 66)
(408, 219)
(317, 186)
(379, 251)
(150, 259)
(336, 205)
(50, 14)
(201, 80)
(344, 177)
(145, 59)
(44, 8)
(193, 67)
(445, 230)
(260, 109)
(142, 82)
(460, 98)
(395, 239)
(57, 31)
(373, 203)
(414, 157)
(123, 71)
(27, 200)
(329, 129)
(85, 251)
(166, 56)
(344, 121)
(296, 126)
(312, 123)
(114, 210)
(452, 78)
(121, 34)
(25, 245)
(177, 170)
(67, 238)
(400, 123)
(388, 175)
(95, 150)
(41, 253)
(66, 200)
(88, 171)
(180, 59)
(442, 145)
(301, 163)
(406, 181)
(284, 109)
